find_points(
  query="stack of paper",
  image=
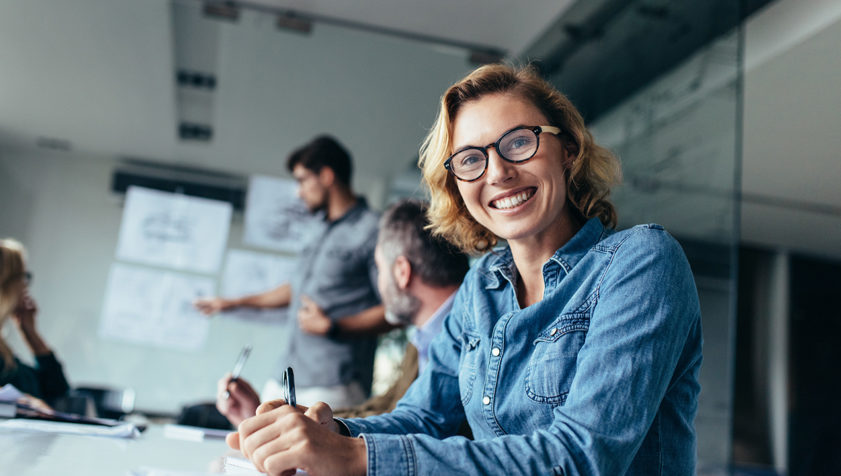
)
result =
(122, 430)
(193, 433)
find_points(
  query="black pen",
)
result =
(288, 382)
(243, 356)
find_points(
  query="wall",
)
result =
(65, 214)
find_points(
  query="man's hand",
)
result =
(311, 318)
(211, 305)
(242, 400)
(282, 438)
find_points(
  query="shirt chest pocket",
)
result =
(339, 265)
(468, 366)
(551, 366)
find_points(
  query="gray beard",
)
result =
(400, 306)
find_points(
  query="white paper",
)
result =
(149, 471)
(250, 272)
(9, 393)
(173, 230)
(275, 218)
(125, 430)
(149, 306)
(240, 465)
(193, 433)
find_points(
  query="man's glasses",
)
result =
(287, 381)
(516, 146)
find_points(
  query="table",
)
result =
(25, 453)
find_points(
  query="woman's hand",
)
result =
(280, 439)
(35, 403)
(25, 312)
(24, 316)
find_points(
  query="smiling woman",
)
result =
(589, 169)
(575, 349)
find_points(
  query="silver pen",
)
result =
(243, 356)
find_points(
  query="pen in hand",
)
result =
(243, 356)
(288, 384)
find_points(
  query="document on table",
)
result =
(239, 465)
(9, 393)
(123, 430)
(168, 472)
(193, 433)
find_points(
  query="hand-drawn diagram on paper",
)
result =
(172, 230)
(249, 272)
(149, 306)
(275, 218)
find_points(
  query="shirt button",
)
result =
(486, 400)
(553, 331)
(495, 351)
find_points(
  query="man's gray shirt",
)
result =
(337, 271)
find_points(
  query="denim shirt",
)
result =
(599, 377)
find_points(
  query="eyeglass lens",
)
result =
(515, 146)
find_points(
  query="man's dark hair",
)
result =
(323, 151)
(403, 232)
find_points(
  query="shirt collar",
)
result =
(424, 334)
(501, 265)
(354, 211)
(582, 242)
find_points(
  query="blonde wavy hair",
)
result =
(12, 267)
(589, 177)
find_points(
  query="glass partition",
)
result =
(678, 140)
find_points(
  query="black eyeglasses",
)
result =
(287, 381)
(516, 146)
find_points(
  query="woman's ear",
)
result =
(402, 270)
(570, 148)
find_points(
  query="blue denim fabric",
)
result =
(600, 377)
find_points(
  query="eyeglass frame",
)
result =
(287, 382)
(537, 130)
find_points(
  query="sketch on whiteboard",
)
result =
(154, 307)
(250, 272)
(275, 218)
(173, 230)
(164, 227)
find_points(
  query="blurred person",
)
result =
(46, 380)
(335, 284)
(418, 275)
(573, 349)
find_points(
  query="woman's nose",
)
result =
(499, 170)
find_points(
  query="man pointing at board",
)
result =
(333, 293)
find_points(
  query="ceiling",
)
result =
(503, 25)
(95, 78)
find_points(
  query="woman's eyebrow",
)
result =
(469, 146)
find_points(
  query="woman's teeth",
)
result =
(512, 201)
